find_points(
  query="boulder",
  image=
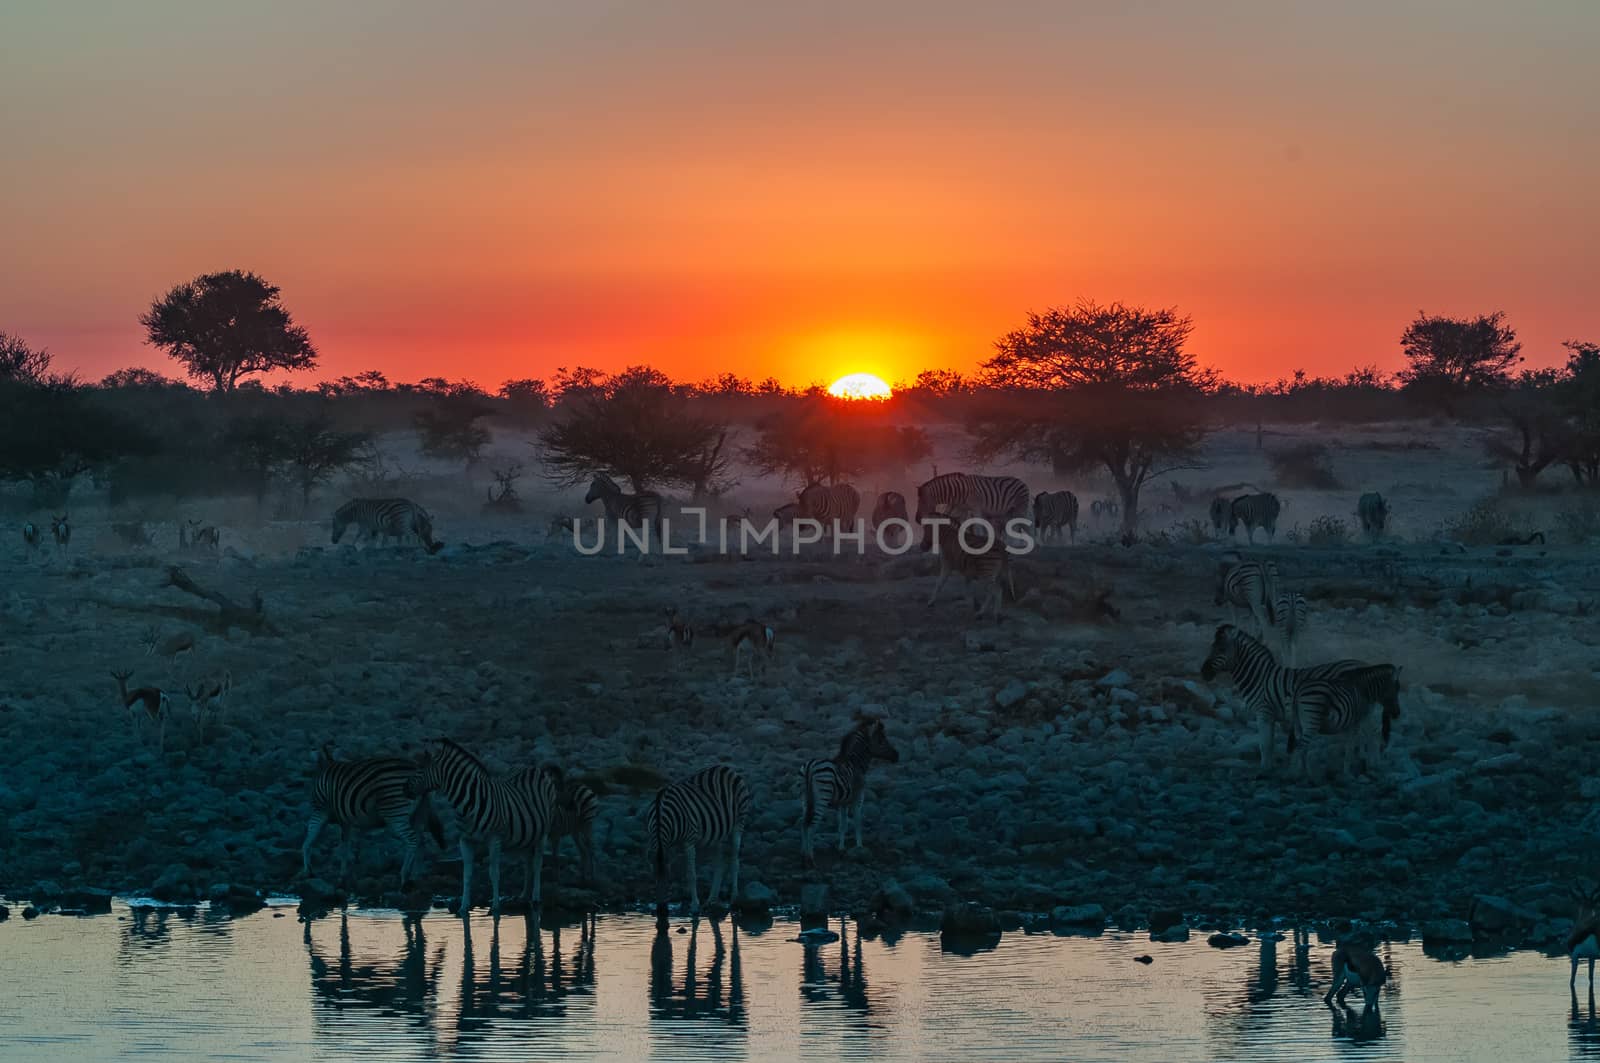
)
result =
(1162, 918)
(1491, 916)
(1227, 941)
(1011, 694)
(1113, 679)
(756, 897)
(1446, 932)
(1078, 915)
(1178, 932)
(969, 920)
(891, 899)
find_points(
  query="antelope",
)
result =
(61, 532)
(145, 703)
(208, 696)
(169, 647)
(31, 536)
(1584, 941)
(756, 639)
(679, 631)
(1356, 967)
(201, 536)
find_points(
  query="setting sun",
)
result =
(859, 386)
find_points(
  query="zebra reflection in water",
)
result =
(847, 989)
(405, 986)
(697, 1003)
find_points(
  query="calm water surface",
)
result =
(168, 985)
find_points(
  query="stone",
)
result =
(1493, 915)
(1011, 694)
(1162, 918)
(892, 899)
(813, 899)
(1227, 941)
(1114, 678)
(1446, 931)
(1180, 932)
(755, 896)
(969, 920)
(1078, 915)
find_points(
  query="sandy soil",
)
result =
(1061, 757)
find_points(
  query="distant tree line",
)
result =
(1088, 386)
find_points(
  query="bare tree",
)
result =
(22, 364)
(1096, 386)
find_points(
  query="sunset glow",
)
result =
(497, 191)
(859, 386)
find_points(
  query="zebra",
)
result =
(1219, 513)
(31, 537)
(1584, 941)
(841, 783)
(1254, 511)
(838, 502)
(1325, 706)
(367, 794)
(1249, 585)
(1054, 510)
(145, 704)
(642, 509)
(1356, 967)
(61, 532)
(392, 518)
(709, 807)
(992, 497)
(989, 568)
(576, 807)
(510, 812)
(1373, 512)
(1289, 613)
(1269, 690)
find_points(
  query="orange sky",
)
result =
(497, 191)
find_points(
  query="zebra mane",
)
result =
(863, 726)
(456, 747)
(607, 482)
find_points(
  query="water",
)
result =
(172, 985)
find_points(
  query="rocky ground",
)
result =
(1070, 756)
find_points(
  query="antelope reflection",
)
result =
(1583, 1030)
(407, 985)
(695, 1003)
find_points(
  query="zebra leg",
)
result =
(717, 874)
(535, 864)
(937, 587)
(401, 828)
(861, 800)
(733, 885)
(466, 878)
(346, 847)
(843, 814)
(313, 828)
(1266, 739)
(584, 840)
(694, 885)
(495, 847)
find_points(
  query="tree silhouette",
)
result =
(222, 327)
(1096, 386)
(821, 439)
(314, 450)
(450, 429)
(636, 425)
(22, 364)
(1450, 357)
(53, 432)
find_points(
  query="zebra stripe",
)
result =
(511, 812)
(1054, 510)
(1373, 512)
(838, 502)
(391, 518)
(994, 497)
(1327, 707)
(366, 795)
(708, 807)
(1289, 615)
(840, 783)
(1255, 511)
(576, 809)
(642, 509)
(891, 505)
(1249, 585)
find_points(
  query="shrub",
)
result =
(1304, 465)
(1324, 531)
(1580, 521)
(1485, 524)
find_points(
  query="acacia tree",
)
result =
(1450, 357)
(636, 425)
(1096, 386)
(53, 431)
(222, 327)
(314, 450)
(22, 364)
(1579, 395)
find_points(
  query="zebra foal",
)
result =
(640, 510)
(576, 808)
(1054, 510)
(510, 812)
(710, 807)
(368, 794)
(841, 783)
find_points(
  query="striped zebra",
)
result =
(988, 569)
(1251, 586)
(1373, 512)
(995, 498)
(1054, 510)
(1269, 690)
(891, 505)
(841, 783)
(366, 795)
(709, 807)
(835, 502)
(1219, 513)
(1328, 706)
(391, 518)
(576, 809)
(510, 812)
(641, 510)
(1254, 511)
(1289, 615)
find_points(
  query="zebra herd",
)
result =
(524, 810)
